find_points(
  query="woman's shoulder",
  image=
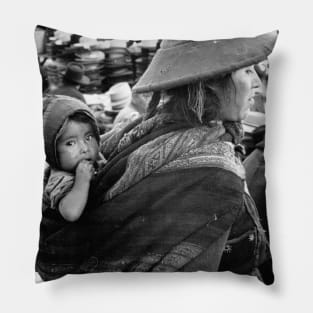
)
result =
(220, 154)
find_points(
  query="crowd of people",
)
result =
(176, 184)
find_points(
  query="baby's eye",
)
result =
(70, 143)
(89, 137)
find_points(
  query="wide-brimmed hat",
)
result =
(181, 62)
(75, 73)
(90, 56)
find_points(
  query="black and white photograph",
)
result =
(156, 156)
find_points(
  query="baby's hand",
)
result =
(84, 171)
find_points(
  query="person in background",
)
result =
(254, 161)
(103, 121)
(135, 109)
(72, 79)
(254, 143)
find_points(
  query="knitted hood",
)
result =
(57, 109)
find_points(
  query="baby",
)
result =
(72, 149)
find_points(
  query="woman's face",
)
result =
(247, 85)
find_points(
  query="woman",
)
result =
(172, 196)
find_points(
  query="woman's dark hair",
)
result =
(197, 103)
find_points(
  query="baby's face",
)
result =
(77, 143)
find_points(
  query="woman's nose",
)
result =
(256, 83)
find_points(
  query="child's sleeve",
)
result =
(58, 186)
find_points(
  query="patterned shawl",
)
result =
(144, 147)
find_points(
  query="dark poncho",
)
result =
(170, 199)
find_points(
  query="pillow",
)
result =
(154, 153)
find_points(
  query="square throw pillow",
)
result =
(154, 155)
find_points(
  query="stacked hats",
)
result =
(93, 65)
(148, 50)
(120, 95)
(118, 64)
